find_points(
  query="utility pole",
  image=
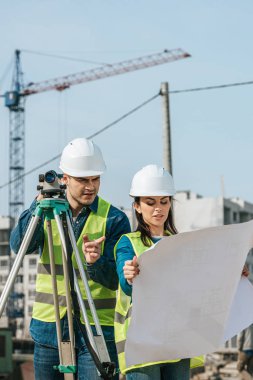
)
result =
(167, 156)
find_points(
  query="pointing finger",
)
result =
(100, 240)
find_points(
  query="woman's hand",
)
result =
(131, 270)
(245, 271)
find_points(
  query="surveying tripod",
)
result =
(54, 206)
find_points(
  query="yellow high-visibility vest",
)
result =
(123, 315)
(104, 298)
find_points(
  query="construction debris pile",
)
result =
(219, 366)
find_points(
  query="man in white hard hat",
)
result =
(97, 226)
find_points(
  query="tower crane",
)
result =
(15, 101)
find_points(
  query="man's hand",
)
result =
(92, 249)
(131, 270)
(39, 197)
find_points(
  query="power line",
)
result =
(220, 86)
(206, 88)
(89, 137)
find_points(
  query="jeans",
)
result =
(45, 358)
(46, 355)
(171, 371)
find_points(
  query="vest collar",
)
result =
(93, 207)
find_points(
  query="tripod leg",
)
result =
(68, 347)
(54, 287)
(78, 291)
(99, 339)
(102, 361)
(83, 276)
(84, 314)
(69, 306)
(105, 369)
(18, 261)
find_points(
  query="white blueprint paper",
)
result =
(184, 294)
(241, 311)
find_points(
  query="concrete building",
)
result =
(30, 270)
(14, 319)
(4, 259)
(192, 212)
(20, 300)
(131, 216)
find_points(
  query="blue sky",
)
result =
(212, 134)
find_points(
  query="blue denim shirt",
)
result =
(102, 271)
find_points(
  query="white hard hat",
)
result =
(82, 158)
(152, 180)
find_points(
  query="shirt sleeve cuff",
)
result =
(33, 206)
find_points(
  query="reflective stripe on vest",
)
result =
(104, 298)
(45, 269)
(123, 313)
(99, 304)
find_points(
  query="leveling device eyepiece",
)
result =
(50, 184)
(49, 176)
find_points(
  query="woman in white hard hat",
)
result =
(152, 189)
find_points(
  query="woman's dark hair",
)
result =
(143, 228)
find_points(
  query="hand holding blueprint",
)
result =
(190, 296)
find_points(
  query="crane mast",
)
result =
(16, 105)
